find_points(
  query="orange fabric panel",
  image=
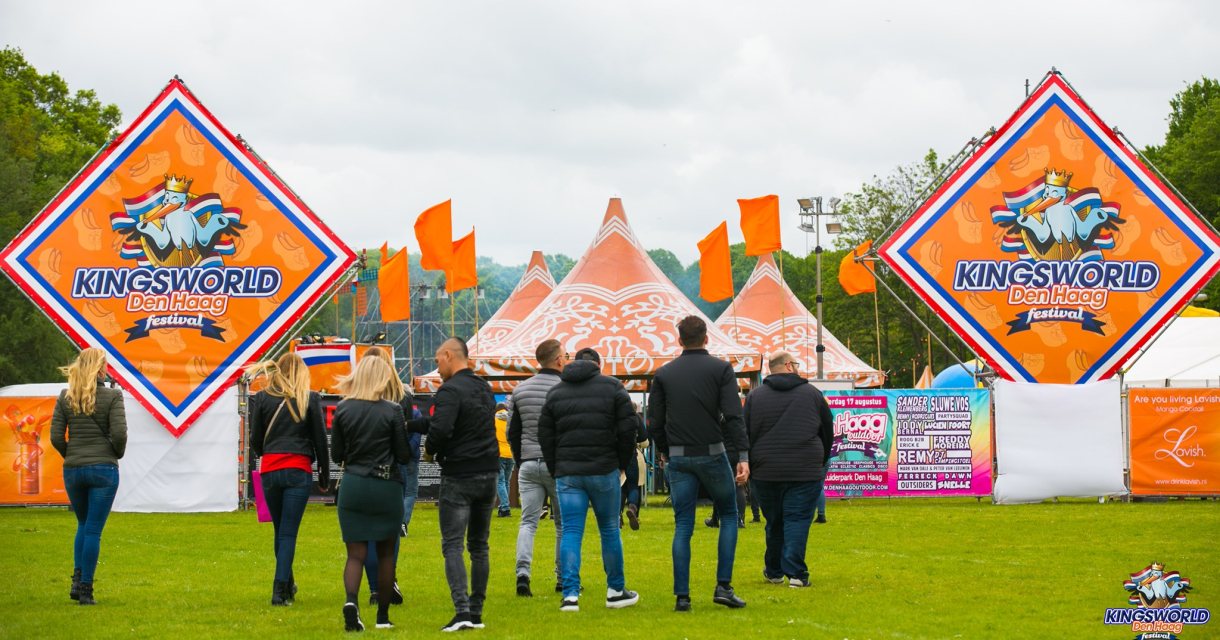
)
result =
(434, 231)
(462, 272)
(760, 224)
(394, 287)
(715, 268)
(855, 277)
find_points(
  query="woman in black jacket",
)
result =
(288, 434)
(89, 429)
(369, 437)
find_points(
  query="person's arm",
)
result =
(656, 419)
(730, 408)
(398, 435)
(444, 418)
(338, 447)
(315, 422)
(626, 427)
(514, 429)
(751, 434)
(59, 427)
(258, 426)
(546, 437)
(117, 420)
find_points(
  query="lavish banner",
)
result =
(1175, 441)
(910, 442)
(1053, 250)
(31, 471)
(178, 252)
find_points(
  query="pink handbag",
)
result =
(260, 502)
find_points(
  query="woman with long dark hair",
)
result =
(369, 437)
(89, 429)
(288, 434)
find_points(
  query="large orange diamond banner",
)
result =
(178, 252)
(1053, 250)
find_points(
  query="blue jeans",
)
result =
(287, 493)
(410, 490)
(576, 495)
(505, 476)
(91, 491)
(821, 503)
(685, 474)
(465, 512)
(788, 508)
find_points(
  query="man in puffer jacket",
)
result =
(790, 429)
(587, 432)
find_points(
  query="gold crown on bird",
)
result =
(1058, 178)
(177, 185)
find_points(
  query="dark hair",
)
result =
(588, 354)
(547, 351)
(500, 406)
(459, 346)
(691, 332)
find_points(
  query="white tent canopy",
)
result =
(1187, 354)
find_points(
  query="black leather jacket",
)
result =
(370, 438)
(307, 437)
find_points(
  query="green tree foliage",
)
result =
(1190, 155)
(47, 134)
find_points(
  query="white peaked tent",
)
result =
(1187, 354)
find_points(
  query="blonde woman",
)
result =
(288, 435)
(89, 429)
(369, 437)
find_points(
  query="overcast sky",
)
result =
(530, 115)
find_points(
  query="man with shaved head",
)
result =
(462, 438)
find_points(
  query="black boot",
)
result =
(75, 592)
(86, 593)
(278, 591)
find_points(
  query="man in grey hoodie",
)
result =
(534, 480)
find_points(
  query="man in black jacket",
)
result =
(690, 396)
(587, 434)
(790, 428)
(462, 437)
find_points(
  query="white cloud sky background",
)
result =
(530, 115)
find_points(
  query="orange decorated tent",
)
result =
(767, 317)
(615, 300)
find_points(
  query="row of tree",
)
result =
(48, 132)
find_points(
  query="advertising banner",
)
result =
(1053, 250)
(910, 442)
(178, 252)
(31, 470)
(1175, 441)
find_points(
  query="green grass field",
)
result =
(881, 569)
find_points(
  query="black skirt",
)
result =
(369, 508)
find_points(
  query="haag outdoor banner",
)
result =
(180, 253)
(1175, 441)
(910, 442)
(1053, 250)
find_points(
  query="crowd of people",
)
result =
(571, 431)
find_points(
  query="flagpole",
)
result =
(877, 326)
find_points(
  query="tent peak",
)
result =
(614, 210)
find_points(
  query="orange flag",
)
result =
(394, 287)
(462, 272)
(854, 276)
(760, 224)
(434, 231)
(715, 269)
(385, 253)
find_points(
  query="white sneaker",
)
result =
(797, 583)
(569, 604)
(621, 599)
